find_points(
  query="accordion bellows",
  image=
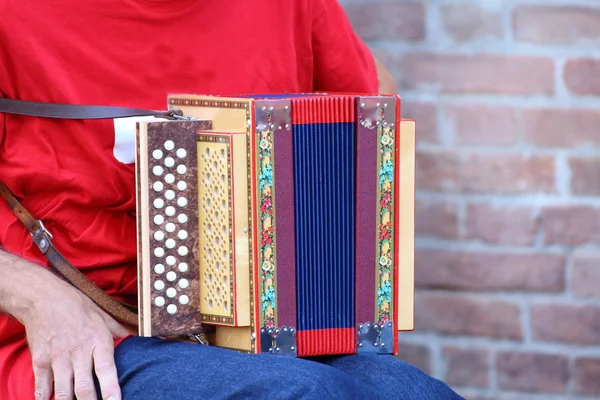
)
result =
(284, 222)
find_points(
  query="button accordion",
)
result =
(284, 223)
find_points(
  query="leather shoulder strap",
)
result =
(72, 111)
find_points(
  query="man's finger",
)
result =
(42, 372)
(84, 382)
(106, 371)
(63, 379)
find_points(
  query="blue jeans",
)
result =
(151, 368)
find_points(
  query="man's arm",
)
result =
(68, 335)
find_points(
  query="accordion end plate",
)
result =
(375, 338)
(280, 341)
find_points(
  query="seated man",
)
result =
(78, 177)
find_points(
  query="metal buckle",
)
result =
(200, 338)
(177, 115)
(44, 230)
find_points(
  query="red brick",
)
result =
(585, 175)
(505, 224)
(485, 172)
(387, 20)
(426, 120)
(528, 372)
(585, 279)
(457, 314)
(489, 271)
(416, 355)
(575, 324)
(467, 367)
(570, 225)
(483, 73)
(466, 22)
(561, 127)
(582, 76)
(489, 125)
(587, 376)
(436, 218)
(557, 24)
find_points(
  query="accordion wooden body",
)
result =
(285, 223)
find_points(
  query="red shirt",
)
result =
(133, 53)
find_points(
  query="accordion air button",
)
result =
(169, 195)
(159, 219)
(170, 227)
(171, 260)
(159, 203)
(184, 283)
(158, 186)
(157, 154)
(159, 301)
(184, 299)
(170, 211)
(170, 179)
(159, 252)
(170, 243)
(159, 285)
(169, 162)
(171, 276)
(181, 169)
(183, 267)
(158, 170)
(182, 235)
(182, 218)
(159, 236)
(171, 292)
(182, 251)
(159, 268)
(171, 308)
(169, 145)
(182, 202)
(181, 153)
(181, 186)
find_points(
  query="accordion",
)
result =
(284, 223)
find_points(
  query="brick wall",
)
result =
(506, 94)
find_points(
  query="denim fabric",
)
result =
(151, 368)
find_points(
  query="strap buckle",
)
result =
(201, 338)
(42, 237)
(178, 115)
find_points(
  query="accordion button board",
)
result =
(285, 223)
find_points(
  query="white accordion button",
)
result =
(181, 153)
(159, 235)
(169, 178)
(170, 243)
(182, 218)
(157, 154)
(181, 186)
(170, 211)
(158, 170)
(171, 292)
(169, 195)
(182, 202)
(182, 235)
(169, 162)
(182, 251)
(184, 283)
(169, 145)
(159, 219)
(170, 227)
(159, 301)
(181, 169)
(159, 285)
(159, 268)
(159, 203)
(171, 308)
(171, 276)
(158, 186)
(184, 299)
(159, 252)
(183, 267)
(171, 260)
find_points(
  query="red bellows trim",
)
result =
(326, 342)
(323, 110)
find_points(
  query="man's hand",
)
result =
(69, 336)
